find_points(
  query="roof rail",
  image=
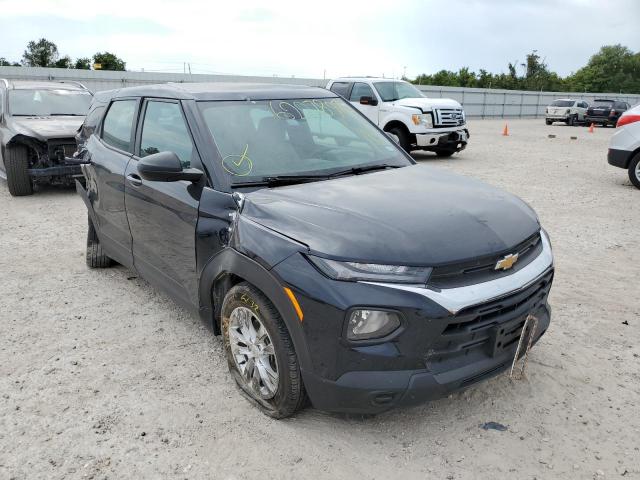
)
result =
(73, 82)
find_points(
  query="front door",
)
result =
(163, 215)
(360, 90)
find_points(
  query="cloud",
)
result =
(293, 38)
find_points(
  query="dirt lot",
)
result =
(101, 376)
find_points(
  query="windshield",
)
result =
(562, 103)
(603, 103)
(265, 138)
(48, 102)
(392, 91)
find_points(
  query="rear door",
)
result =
(110, 153)
(163, 215)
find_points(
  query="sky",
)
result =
(324, 39)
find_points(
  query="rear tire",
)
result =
(403, 138)
(634, 170)
(260, 352)
(96, 257)
(16, 163)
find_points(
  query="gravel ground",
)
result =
(101, 376)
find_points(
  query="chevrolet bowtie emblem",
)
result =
(507, 262)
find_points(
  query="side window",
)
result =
(118, 123)
(341, 88)
(360, 90)
(164, 130)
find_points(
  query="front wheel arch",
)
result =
(230, 267)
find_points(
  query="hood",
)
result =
(427, 104)
(414, 215)
(45, 128)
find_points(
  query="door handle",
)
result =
(134, 179)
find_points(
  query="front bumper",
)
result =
(57, 171)
(378, 391)
(456, 139)
(557, 118)
(449, 339)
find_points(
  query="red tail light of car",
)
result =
(627, 119)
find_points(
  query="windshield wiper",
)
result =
(65, 115)
(366, 168)
(276, 180)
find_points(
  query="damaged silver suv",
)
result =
(38, 122)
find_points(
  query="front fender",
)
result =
(231, 262)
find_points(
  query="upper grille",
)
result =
(448, 117)
(483, 269)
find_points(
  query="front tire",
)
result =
(403, 138)
(634, 170)
(260, 352)
(96, 258)
(548, 122)
(445, 153)
(16, 163)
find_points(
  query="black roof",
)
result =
(224, 91)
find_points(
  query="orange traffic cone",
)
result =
(591, 128)
(505, 132)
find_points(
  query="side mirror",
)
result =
(166, 167)
(368, 101)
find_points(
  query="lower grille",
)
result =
(488, 329)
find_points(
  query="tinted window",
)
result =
(621, 106)
(117, 124)
(341, 88)
(562, 103)
(164, 130)
(361, 90)
(262, 138)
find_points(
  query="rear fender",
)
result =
(85, 198)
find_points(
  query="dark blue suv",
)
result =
(334, 267)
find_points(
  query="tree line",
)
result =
(614, 68)
(44, 53)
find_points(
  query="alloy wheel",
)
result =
(253, 352)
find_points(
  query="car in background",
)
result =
(38, 122)
(333, 265)
(400, 109)
(566, 110)
(605, 112)
(624, 146)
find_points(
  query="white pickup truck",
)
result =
(400, 109)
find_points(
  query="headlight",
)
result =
(422, 119)
(368, 324)
(371, 272)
